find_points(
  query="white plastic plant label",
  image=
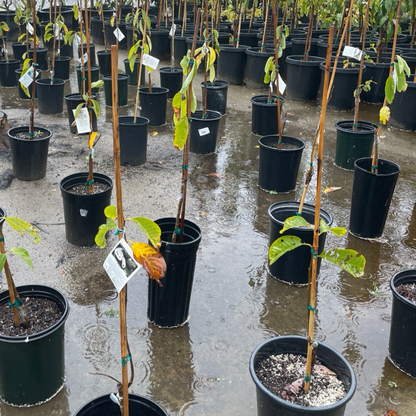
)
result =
(150, 61)
(351, 52)
(29, 27)
(120, 265)
(172, 30)
(76, 41)
(282, 85)
(85, 58)
(204, 131)
(27, 78)
(82, 121)
(119, 34)
(56, 30)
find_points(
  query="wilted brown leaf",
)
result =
(151, 259)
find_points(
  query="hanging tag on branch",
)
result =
(150, 61)
(29, 28)
(351, 52)
(172, 30)
(82, 121)
(118, 34)
(27, 78)
(282, 85)
(120, 265)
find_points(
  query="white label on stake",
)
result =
(119, 34)
(150, 61)
(282, 85)
(85, 58)
(204, 131)
(29, 28)
(351, 52)
(172, 30)
(271, 86)
(82, 121)
(120, 265)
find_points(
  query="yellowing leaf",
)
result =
(384, 114)
(22, 226)
(151, 259)
(154, 133)
(94, 136)
(332, 189)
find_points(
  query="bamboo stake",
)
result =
(308, 36)
(139, 69)
(314, 267)
(52, 73)
(34, 64)
(206, 59)
(172, 44)
(374, 161)
(266, 18)
(120, 224)
(360, 72)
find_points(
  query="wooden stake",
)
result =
(120, 224)
(314, 267)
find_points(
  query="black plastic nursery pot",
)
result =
(256, 61)
(264, 114)
(104, 62)
(180, 48)
(168, 305)
(133, 75)
(41, 58)
(353, 144)
(293, 267)
(33, 366)
(377, 72)
(345, 83)
(153, 104)
(22, 94)
(91, 56)
(19, 49)
(203, 132)
(303, 77)
(160, 44)
(298, 46)
(72, 101)
(122, 86)
(133, 140)
(50, 95)
(248, 38)
(62, 65)
(278, 168)
(104, 406)
(7, 72)
(84, 213)
(95, 76)
(171, 78)
(268, 404)
(29, 157)
(402, 345)
(371, 197)
(216, 95)
(231, 64)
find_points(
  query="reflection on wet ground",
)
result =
(202, 368)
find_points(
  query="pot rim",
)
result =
(384, 161)
(408, 276)
(284, 403)
(295, 141)
(24, 128)
(365, 126)
(33, 291)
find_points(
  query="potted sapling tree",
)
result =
(31, 330)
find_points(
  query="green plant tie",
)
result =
(178, 231)
(30, 134)
(118, 231)
(205, 116)
(35, 64)
(191, 62)
(307, 378)
(314, 253)
(262, 46)
(51, 79)
(298, 214)
(374, 166)
(310, 163)
(185, 167)
(17, 302)
(348, 30)
(380, 124)
(354, 125)
(336, 40)
(124, 361)
(89, 183)
(33, 99)
(90, 108)
(309, 307)
(391, 63)
(1, 239)
(83, 79)
(236, 39)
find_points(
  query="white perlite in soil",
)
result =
(284, 374)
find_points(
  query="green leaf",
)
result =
(78, 109)
(295, 221)
(406, 68)
(97, 84)
(349, 260)
(282, 245)
(2, 261)
(194, 103)
(111, 212)
(102, 231)
(22, 226)
(337, 231)
(401, 82)
(150, 228)
(95, 108)
(181, 133)
(23, 254)
(389, 89)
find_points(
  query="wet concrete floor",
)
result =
(202, 368)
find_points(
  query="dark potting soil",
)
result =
(285, 146)
(37, 134)
(284, 375)
(82, 189)
(41, 314)
(408, 291)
